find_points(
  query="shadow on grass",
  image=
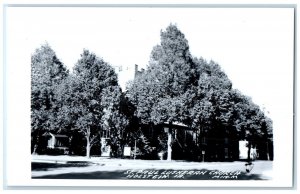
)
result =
(36, 166)
(151, 174)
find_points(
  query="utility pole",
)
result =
(268, 155)
(169, 158)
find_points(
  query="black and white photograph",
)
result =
(152, 93)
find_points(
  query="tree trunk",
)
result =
(35, 149)
(36, 145)
(268, 154)
(169, 158)
(88, 143)
(88, 147)
(249, 150)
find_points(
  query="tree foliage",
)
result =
(46, 73)
(158, 94)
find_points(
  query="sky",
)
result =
(254, 47)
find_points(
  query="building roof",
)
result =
(176, 125)
(55, 135)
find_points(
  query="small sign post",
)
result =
(203, 153)
(127, 151)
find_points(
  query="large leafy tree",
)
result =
(179, 88)
(208, 104)
(47, 72)
(252, 124)
(159, 93)
(221, 112)
(85, 98)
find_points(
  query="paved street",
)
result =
(68, 167)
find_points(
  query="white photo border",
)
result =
(11, 96)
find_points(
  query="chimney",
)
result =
(136, 70)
